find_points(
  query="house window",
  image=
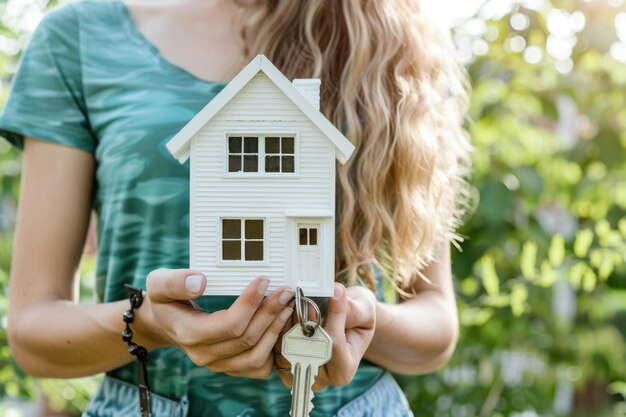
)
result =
(308, 236)
(243, 154)
(242, 239)
(279, 154)
(261, 154)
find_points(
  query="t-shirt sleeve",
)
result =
(46, 99)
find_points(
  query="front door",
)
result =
(309, 254)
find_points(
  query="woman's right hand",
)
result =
(237, 341)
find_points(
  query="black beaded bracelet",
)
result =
(135, 295)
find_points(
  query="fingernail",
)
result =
(285, 296)
(285, 314)
(338, 292)
(193, 283)
(263, 285)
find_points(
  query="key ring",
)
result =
(308, 327)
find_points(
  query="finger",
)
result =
(253, 358)
(242, 310)
(339, 369)
(270, 309)
(335, 322)
(191, 328)
(278, 346)
(361, 308)
(281, 362)
(285, 377)
(283, 370)
(232, 323)
(168, 285)
(264, 372)
(361, 319)
(266, 316)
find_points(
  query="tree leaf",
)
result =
(618, 387)
(621, 225)
(475, 316)
(589, 280)
(548, 275)
(491, 282)
(528, 260)
(583, 241)
(556, 254)
(519, 295)
(576, 274)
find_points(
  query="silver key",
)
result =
(306, 355)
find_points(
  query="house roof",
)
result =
(179, 145)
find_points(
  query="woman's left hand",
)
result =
(350, 322)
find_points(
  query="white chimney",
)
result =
(310, 89)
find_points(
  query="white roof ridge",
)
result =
(179, 145)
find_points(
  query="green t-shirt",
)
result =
(90, 80)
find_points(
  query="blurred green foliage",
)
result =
(542, 277)
(541, 281)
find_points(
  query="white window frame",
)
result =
(261, 153)
(242, 154)
(280, 155)
(242, 262)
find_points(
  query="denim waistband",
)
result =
(384, 398)
(115, 398)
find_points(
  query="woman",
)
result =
(102, 87)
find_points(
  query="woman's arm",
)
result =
(51, 335)
(418, 335)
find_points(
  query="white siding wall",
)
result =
(260, 107)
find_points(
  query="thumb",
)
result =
(361, 308)
(167, 285)
(335, 322)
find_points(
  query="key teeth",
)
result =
(306, 401)
(309, 380)
(310, 405)
(305, 365)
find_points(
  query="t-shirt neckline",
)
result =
(135, 34)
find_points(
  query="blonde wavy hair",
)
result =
(391, 79)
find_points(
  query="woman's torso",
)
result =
(136, 100)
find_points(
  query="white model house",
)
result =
(263, 183)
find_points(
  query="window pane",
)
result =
(303, 236)
(272, 145)
(234, 163)
(231, 250)
(254, 229)
(250, 145)
(313, 237)
(288, 146)
(254, 251)
(272, 164)
(234, 144)
(250, 163)
(231, 229)
(288, 164)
